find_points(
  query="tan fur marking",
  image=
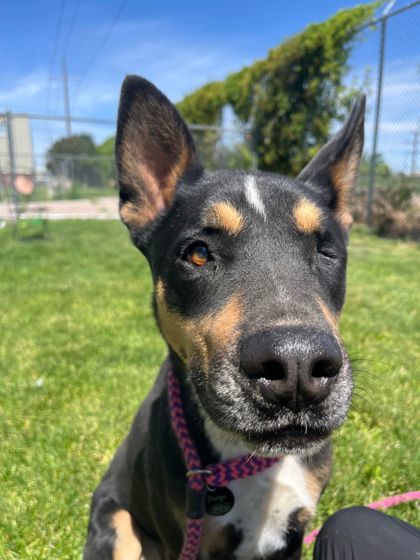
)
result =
(213, 542)
(223, 215)
(198, 338)
(127, 545)
(149, 199)
(175, 174)
(330, 317)
(316, 479)
(136, 216)
(307, 216)
(153, 193)
(344, 175)
(303, 516)
(313, 486)
(317, 476)
(220, 327)
(175, 328)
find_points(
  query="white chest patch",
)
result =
(263, 504)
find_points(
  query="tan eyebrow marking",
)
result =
(307, 216)
(223, 215)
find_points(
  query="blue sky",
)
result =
(179, 45)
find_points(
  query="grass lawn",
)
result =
(79, 350)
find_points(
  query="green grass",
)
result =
(79, 350)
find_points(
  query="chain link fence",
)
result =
(387, 196)
(53, 158)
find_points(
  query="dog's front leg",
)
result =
(113, 535)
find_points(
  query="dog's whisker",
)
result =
(375, 375)
(364, 398)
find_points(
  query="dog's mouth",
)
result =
(288, 439)
(242, 416)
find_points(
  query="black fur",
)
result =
(277, 272)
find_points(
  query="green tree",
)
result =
(107, 147)
(382, 168)
(289, 98)
(76, 158)
(107, 160)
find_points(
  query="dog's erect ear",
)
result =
(154, 150)
(336, 165)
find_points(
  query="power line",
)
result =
(55, 44)
(102, 44)
(71, 26)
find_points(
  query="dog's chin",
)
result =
(287, 440)
(290, 440)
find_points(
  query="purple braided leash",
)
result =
(199, 478)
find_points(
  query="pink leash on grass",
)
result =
(380, 504)
(217, 475)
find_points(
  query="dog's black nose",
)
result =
(293, 366)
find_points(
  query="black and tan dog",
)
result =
(249, 278)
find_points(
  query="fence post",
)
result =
(12, 163)
(372, 167)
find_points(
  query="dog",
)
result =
(249, 281)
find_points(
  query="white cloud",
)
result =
(27, 88)
(170, 60)
(155, 49)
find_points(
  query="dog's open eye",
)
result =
(197, 254)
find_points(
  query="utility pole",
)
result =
(414, 152)
(66, 98)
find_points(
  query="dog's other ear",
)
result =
(154, 150)
(336, 165)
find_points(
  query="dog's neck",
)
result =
(225, 444)
(211, 440)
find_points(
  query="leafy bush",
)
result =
(395, 212)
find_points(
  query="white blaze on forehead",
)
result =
(253, 196)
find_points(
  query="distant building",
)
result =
(23, 153)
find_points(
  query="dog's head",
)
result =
(249, 273)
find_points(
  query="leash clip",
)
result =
(196, 499)
(192, 472)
